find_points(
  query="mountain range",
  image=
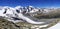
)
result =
(27, 14)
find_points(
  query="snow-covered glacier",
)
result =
(21, 14)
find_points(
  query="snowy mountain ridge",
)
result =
(20, 12)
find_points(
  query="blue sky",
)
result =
(35, 3)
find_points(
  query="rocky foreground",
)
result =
(4, 24)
